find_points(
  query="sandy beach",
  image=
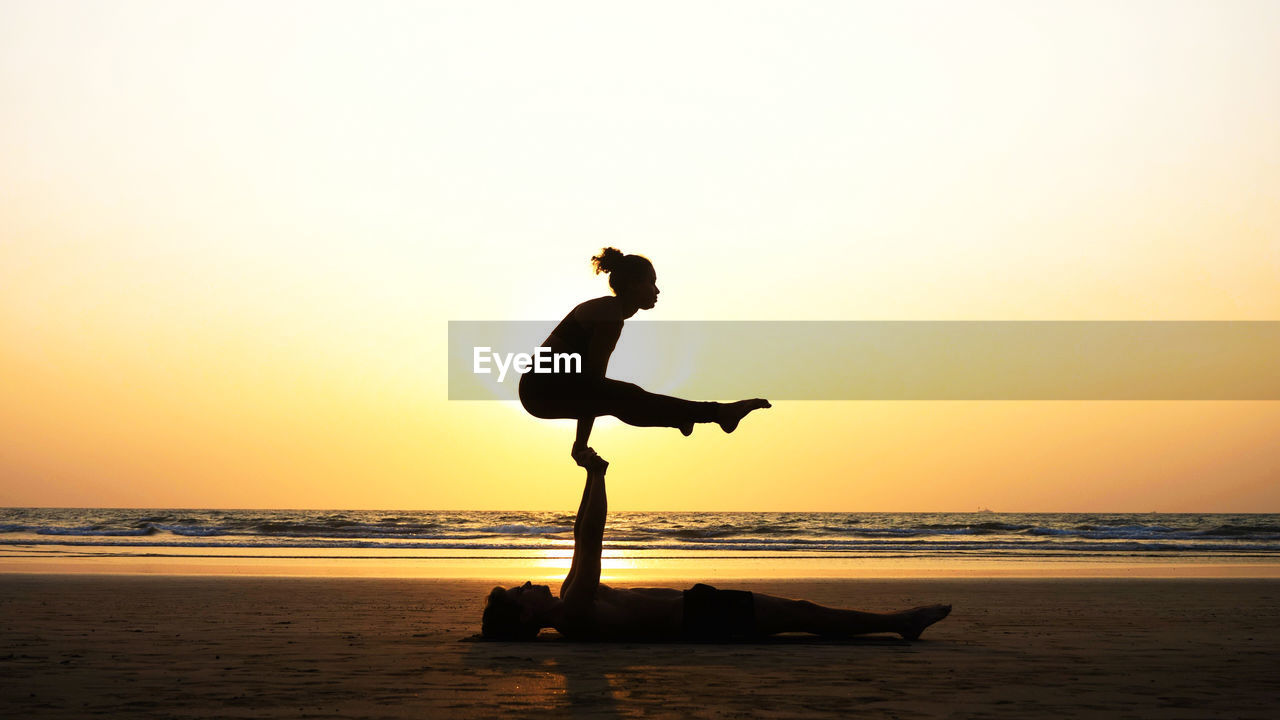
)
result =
(266, 647)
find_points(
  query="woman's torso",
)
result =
(572, 335)
(574, 332)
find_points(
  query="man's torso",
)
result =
(649, 613)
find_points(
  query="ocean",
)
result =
(54, 532)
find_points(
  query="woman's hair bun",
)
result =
(608, 260)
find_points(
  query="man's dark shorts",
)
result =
(711, 614)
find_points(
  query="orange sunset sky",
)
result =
(232, 234)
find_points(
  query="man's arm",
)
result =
(577, 524)
(579, 589)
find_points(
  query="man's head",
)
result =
(516, 613)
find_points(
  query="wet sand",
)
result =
(263, 647)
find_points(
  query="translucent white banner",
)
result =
(901, 360)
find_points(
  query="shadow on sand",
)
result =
(610, 679)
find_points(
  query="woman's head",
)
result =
(632, 277)
(515, 613)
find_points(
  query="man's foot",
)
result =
(917, 619)
(730, 414)
(686, 429)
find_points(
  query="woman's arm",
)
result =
(604, 339)
(584, 433)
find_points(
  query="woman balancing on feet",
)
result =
(591, 330)
(589, 610)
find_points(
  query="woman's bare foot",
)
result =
(916, 620)
(730, 414)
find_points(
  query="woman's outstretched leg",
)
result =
(634, 405)
(730, 414)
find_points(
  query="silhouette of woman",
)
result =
(592, 330)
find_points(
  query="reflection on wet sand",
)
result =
(614, 680)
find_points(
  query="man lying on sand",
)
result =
(589, 610)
